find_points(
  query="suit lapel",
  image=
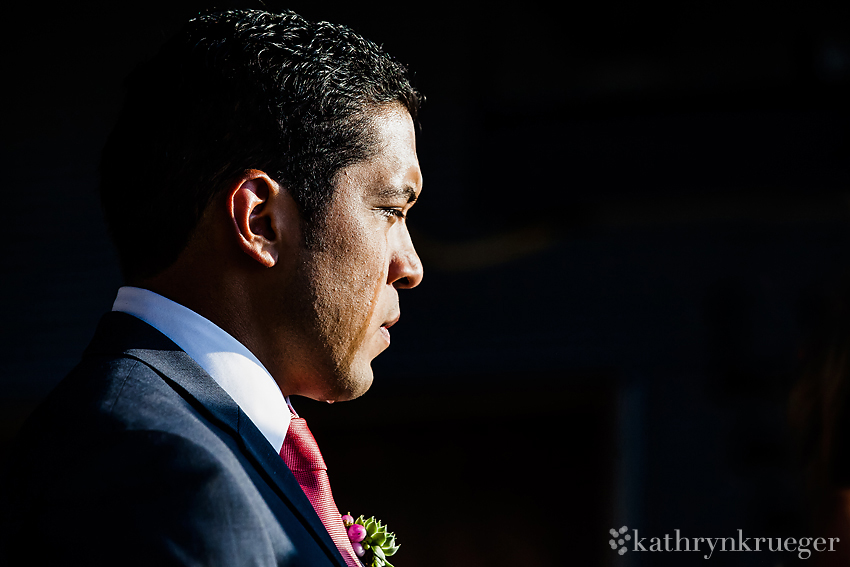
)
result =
(270, 461)
(122, 333)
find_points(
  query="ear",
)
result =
(258, 208)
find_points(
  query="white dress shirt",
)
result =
(230, 364)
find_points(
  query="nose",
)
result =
(405, 267)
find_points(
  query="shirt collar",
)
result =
(225, 359)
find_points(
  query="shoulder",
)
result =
(102, 397)
(117, 459)
(150, 498)
(117, 418)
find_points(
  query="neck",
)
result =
(215, 290)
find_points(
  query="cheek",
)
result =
(355, 274)
(354, 283)
(368, 275)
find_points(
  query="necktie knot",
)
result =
(300, 450)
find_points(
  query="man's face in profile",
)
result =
(347, 286)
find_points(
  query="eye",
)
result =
(390, 212)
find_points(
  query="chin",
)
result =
(348, 386)
(359, 385)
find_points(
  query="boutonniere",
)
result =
(371, 541)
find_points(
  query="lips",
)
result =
(385, 332)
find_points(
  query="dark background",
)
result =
(634, 217)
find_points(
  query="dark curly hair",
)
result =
(233, 91)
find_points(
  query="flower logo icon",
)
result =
(618, 541)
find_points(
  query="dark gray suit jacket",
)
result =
(139, 458)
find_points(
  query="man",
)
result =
(256, 187)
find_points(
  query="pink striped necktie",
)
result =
(301, 454)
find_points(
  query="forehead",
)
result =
(392, 124)
(392, 165)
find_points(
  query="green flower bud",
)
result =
(379, 542)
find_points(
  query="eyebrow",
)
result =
(393, 192)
